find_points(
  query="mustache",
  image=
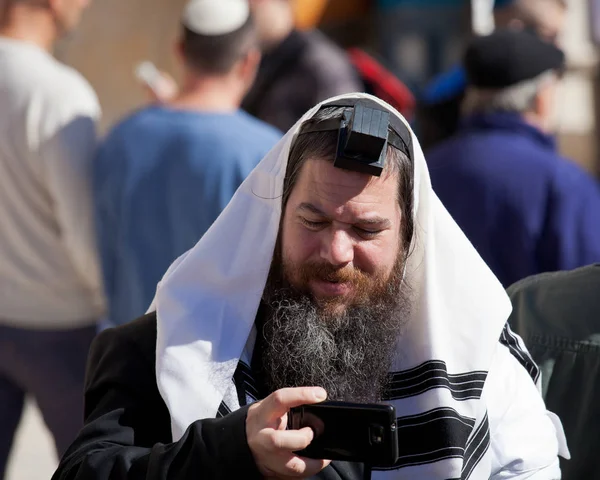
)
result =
(331, 273)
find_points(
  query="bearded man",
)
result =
(326, 276)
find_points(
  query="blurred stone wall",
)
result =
(115, 35)
(577, 124)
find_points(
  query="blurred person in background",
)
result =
(421, 38)
(525, 208)
(50, 283)
(558, 316)
(298, 69)
(438, 112)
(163, 175)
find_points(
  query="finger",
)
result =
(165, 74)
(291, 440)
(278, 403)
(304, 467)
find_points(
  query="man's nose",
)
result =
(338, 248)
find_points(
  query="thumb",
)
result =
(278, 403)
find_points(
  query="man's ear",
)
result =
(249, 65)
(178, 50)
(539, 106)
(543, 105)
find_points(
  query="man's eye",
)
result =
(367, 233)
(314, 225)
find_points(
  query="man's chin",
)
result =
(322, 289)
(332, 308)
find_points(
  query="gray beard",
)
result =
(349, 354)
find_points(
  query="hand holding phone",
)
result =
(160, 85)
(273, 446)
(352, 432)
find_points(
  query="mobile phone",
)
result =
(352, 432)
(147, 73)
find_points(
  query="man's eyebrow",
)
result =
(311, 208)
(380, 221)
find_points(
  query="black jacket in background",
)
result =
(303, 70)
(127, 433)
(558, 316)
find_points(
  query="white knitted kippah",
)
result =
(215, 17)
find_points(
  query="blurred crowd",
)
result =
(89, 225)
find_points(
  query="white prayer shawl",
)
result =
(464, 386)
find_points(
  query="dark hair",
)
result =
(324, 144)
(217, 54)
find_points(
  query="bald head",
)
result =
(274, 20)
(544, 17)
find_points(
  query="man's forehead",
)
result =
(323, 185)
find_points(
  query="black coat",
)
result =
(127, 432)
(303, 70)
(558, 316)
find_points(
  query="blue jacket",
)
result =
(161, 178)
(525, 208)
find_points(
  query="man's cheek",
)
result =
(290, 273)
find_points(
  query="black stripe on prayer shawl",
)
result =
(432, 436)
(477, 445)
(245, 383)
(434, 374)
(223, 410)
(510, 340)
(428, 437)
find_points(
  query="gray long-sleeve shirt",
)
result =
(49, 271)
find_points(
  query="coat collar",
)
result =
(509, 122)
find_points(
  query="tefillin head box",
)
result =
(362, 140)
